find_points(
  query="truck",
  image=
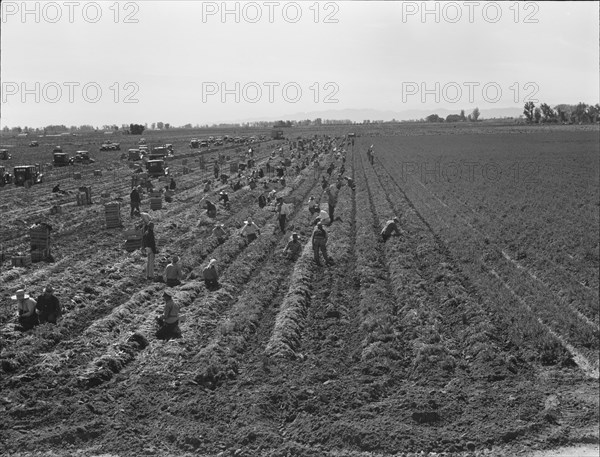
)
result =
(61, 159)
(277, 134)
(28, 175)
(82, 157)
(4, 154)
(156, 168)
(194, 143)
(134, 155)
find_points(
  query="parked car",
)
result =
(28, 175)
(83, 157)
(61, 159)
(156, 167)
(34, 144)
(4, 154)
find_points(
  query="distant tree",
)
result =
(153, 125)
(475, 114)
(537, 114)
(136, 129)
(528, 110)
(5, 129)
(581, 113)
(548, 114)
(434, 118)
(462, 115)
(160, 125)
(594, 112)
(469, 118)
(16, 130)
(453, 118)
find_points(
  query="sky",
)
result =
(98, 63)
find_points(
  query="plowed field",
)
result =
(473, 333)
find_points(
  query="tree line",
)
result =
(581, 113)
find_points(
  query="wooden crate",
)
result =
(76, 175)
(132, 245)
(37, 255)
(112, 212)
(97, 172)
(39, 237)
(155, 203)
(56, 209)
(20, 260)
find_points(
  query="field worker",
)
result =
(250, 231)
(283, 211)
(313, 207)
(319, 243)
(293, 248)
(48, 307)
(25, 310)
(332, 198)
(169, 322)
(135, 200)
(219, 232)
(350, 183)
(390, 227)
(330, 169)
(211, 209)
(224, 196)
(324, 182)
(146, 219)
(262, 200)
(211, 275)
(172, 184)
(216, 170)
(173, 274)
(149, 244)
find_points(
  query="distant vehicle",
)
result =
(57, 149)
(156, 167)
(134, 154)
(34, 144)
(204, 144)
(158, 152)
(4, 154)
(219, 141)
(61, 159)
(110, 146)
(28, 175)
(83, 157)
(169, 147)
(5, 176)
(352, 135)
(194, 143)
(277, 134)
(142, 141)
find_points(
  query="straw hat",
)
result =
(20, 295)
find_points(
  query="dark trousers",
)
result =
(331, 210)
(282, 218)
(27, 323)
(322, 247)
(50, 317)
(211, 284)
(135, 208)
(172, 282)
(168, 331)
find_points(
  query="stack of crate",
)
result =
(39, 239)
(155, 203)
(97, 172)
(186, 170)
(112, 212)
(133, 240)
(84, 197)
(21, 260)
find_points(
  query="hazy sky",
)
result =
(111, 62)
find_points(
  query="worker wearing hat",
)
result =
(48, 306)
(293, 248)
(169, 322)
(211, 275)
(26, 310)
(391, 227)
(219, 232)
(250, 231)
(173, 274)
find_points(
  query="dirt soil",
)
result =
(100, 383)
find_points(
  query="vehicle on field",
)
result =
(134, 155)
(61, 159)
(83, 157)
(5, 176)
(110, 146)
(352, 135)
(143, 149)
(204, 144)
(169, 147)
(159, 152)
(277, 134)
(142, 141)
(4, 154)
(194, 143)
(219, 141)
(156, 167)
(27, 175)
(34, 144)
(57, 149)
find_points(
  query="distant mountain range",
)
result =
(359, 115)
